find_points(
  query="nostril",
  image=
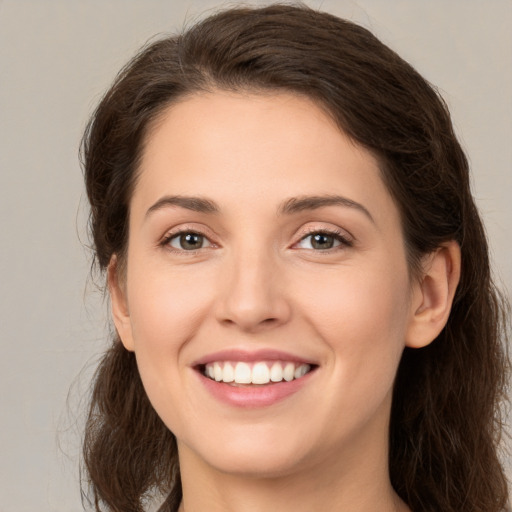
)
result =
(250, 324)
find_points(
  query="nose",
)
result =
(252, 293)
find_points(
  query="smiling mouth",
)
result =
(240, 373)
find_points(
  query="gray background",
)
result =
(56, 59)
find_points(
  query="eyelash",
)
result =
(166, 241)
(336, 234)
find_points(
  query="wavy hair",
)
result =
(446, 418)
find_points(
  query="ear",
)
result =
(120, 312)
(433, 294)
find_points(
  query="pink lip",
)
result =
(247, 356)
(253, 396)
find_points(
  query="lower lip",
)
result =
(253, 396)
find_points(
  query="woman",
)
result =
(300, 284)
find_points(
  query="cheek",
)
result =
(166, 307)
(362, 316)
(166, 310)
(357, 300)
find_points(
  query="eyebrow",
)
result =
(303, 203)
(289, 207)
(196, 204)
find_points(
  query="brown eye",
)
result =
(189, 241)
(320, 241)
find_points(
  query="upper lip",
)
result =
(251, 356)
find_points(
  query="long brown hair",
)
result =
(446, 418)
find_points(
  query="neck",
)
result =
(357, 480)
(287, 495)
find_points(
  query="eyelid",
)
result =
(187, 228)
(343, 236)
(178, 237)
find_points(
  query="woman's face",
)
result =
(263, 244)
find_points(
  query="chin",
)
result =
(256, 456)
(258, 465)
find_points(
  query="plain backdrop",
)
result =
(56, 60)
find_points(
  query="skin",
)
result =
(257, 282)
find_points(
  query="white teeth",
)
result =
(258, 373)
(217, 372)
(289, 372)
(228, 373)
(301, 370)
(243, 374)
(276, 372)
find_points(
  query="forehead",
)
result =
(254, 148)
